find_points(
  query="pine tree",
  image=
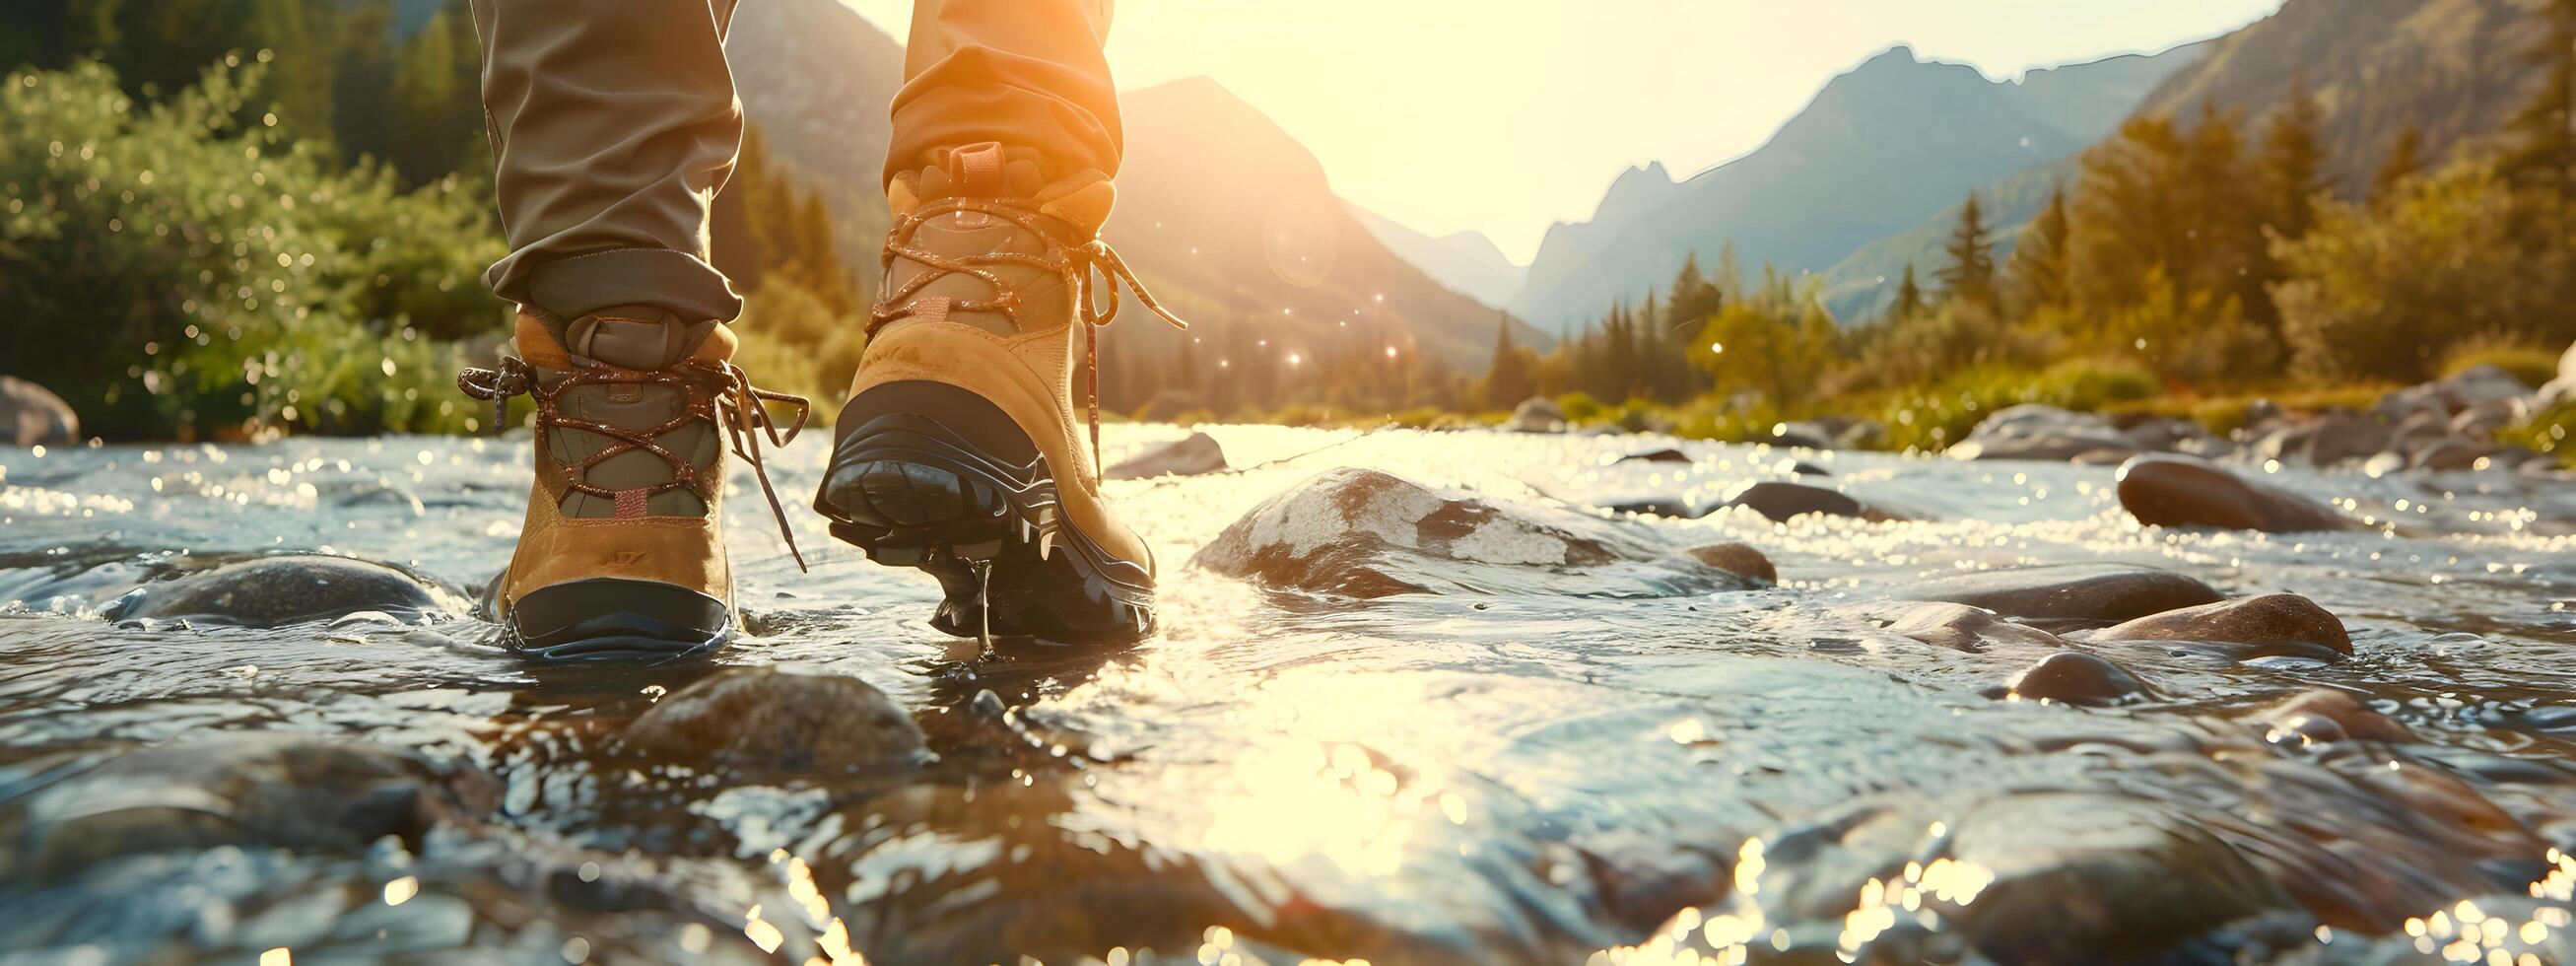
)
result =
(2038, 267)
(2293, 162)
(1513, 376)
(1970, 276)
(2405, 159)
(2544, 155)
(1909, 297)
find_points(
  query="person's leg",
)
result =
(964, 449)
(614, 123)
(1024, 73)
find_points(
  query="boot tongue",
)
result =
(630, 336)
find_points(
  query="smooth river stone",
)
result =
(2271, 619)
(252, 789)
(2326, 714)
(764, 721)
(277, 591)
(2094, 593)
(2074, 677)
(1195, 456)
(1782, 501)
(2179, 491)
(1955, 626)
(1738, 559)
(1335, 533)
(2083, 877)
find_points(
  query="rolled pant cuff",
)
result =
(678, 281)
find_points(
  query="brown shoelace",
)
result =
(732, 402)
(1077, 264)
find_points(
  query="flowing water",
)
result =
(1523, 764)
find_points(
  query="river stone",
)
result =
(29, 414)
(1782, 501)
(2074, 677)
(2179, 491)
(1537, 414)
(2034, 432)
(2326, 714)
(2452, 454)
(2262, 621)
(765, 721)
(1738, 559)
(1334, 532)
(2473, 386)
(282, 590)
(2327, 440)
(1665, 455)
(2088, 877)
(1958, 627)
(263, 789)
(1196, 456)
(2101, 593)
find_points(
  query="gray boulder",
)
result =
(1537, 414)
(2035, 432)
(763, 721)
(2473, 386)
(282, 590)
(31, 415)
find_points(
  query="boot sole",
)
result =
(613, 619)
(963, 495)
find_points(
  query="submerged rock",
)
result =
(2034, 432)
(2179, 491)
(30, 414)
(250, 789)
(2326, 440)
(277, 591)
(1780, 501)
(2075, 877)
(2074, 677)
(1338, 532)
(765, 721)
(1738, 559)
(2326, 714)
(2077, 593)
(1197, 455)
(1955, 626)
(1537, 414)
(2271, 619)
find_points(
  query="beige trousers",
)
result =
(614, 124)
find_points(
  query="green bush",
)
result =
(1933, 418)
(181, 269)
(2528, 361)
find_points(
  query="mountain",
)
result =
(1233, 222)
(1465, 261)
(2448, 68)
(1879, 149)
(2452, 68)
(816, 79)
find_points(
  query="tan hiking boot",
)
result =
(623, 551)
(959, 451)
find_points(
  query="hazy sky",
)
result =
(1506, 115)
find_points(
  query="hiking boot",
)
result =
(958, 451)
(623, 551)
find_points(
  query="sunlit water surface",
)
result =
(1547, 769)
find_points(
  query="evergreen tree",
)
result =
(1970, 276)
(1909, 297)
(2037, 270)
(1513, 376)
(2293, 161)
(2544, 153)
(2405, 160)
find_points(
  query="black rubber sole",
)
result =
(611, 619)
(934, 477)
